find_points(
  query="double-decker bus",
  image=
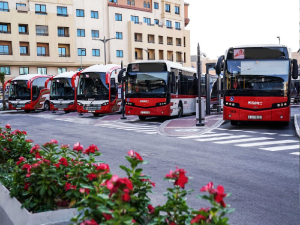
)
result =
(160, 88)
(63, 92)
(28, 92)
(257, 83)
(97, 90)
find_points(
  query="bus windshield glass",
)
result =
(61, 88)
(257, 77)
(152, 84)
(18, 90)
(93, 85)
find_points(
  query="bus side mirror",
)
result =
(120, 76)
(295, 69)
(220, 65)
(107, 78)
(173, 78)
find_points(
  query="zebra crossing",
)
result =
(140, 128)
(246, 139)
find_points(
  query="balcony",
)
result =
(170, 27)
(6, 53)
(5, 32)
(170, 43)
(63, 35)
(42, 34)
(22, 9)
(64, 15)
(138, 40)
(26, 33)
(63, 55)
(41, 54)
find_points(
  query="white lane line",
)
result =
(205, 135)
(295, 153)
(267, 143)
(254, 132)
(235, 130)
(221, 129)
(145, 130)
(243, 140)
(150, 132)
(280, 148)
(269, 133)
(221, 138)
(286, 135)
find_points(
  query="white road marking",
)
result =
(204, 135)
(280, 148)
(269, 133)
(295, 153)
(253, 132)
(267, 143)
(220, 138)
(221, 129)
(243, 140)
(286, 135)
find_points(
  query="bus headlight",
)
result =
(161, 103)
(104, 104)
(71, 103)
(80, 104)
(280, 105)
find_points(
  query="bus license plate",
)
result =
(254, 117)
(145, 112)
(18, 108)
(91, 111)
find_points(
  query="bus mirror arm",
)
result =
(219, 65)
(295, 69)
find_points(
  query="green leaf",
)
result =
(42, 190)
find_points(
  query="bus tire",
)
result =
(46, 106)
(96, 114)
(27, 111)
(233, 122)
(285, 124)
(67, 111)
(180, 110)
(142, 118)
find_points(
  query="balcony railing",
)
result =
(25, 54)
(138, 40)
(178, 44)
(41, 54)
(170, 27)
(63, 35)
(151, 41)
(41, 13)
(151, 58)
(139, 58)
(4, 10)
(5, 32)
(170, 43)
(177, 28)
(63, 55)
(161, 42)
(42, 34)
(65, 15)
(24, 33)
(5, 53)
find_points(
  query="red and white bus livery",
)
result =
(160, 88)
(28, 92)
(97, 90)
(257, 83)
(63, 92)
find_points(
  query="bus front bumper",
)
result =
(154, 111)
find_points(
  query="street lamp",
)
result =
(104, 40)
(82, 50)
(278, 38)
(147, 50)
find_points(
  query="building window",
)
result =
(5, 70)
(81, 52)
(145, 4)
(62, 52)
(80, 32)
(23, 50)
(61, 70)
(42, 70)
(4, 6)
(156, 21)
(156, 6)
(40, 9)
(41, 51)
(94, 14)
(62, 11)
(96, 52)
(118, 17)
(177, 10)
(177, 25)
(23, 29)
(4, 50)
(120, 53)
(168, 8)
(95, 33)
(20, 4)
(169, 24)
(135, 19)
(148, 5)
(63, 31)
(147, 20)
(114, 1)
(79, 12)
(23, 70)
(119, 35)
(41, 30)
(4, 28)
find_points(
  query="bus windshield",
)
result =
(257, 77)
(61, 88)
(18, 90)
(93, 85)
(152, 84)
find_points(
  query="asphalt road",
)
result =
(264, 184)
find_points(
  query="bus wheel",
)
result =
(46, 106)
(67, 111)
(96, 114)
(180, 110)
(142, 118)
(27, 111)
(233, 122)
(285, 124)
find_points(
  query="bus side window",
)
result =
(34, 90)
(113, 90)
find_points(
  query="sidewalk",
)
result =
(186, 126)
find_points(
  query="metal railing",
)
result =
(42, 34)
(5, 32)
(41, 54)
(63, 55)
(138, 40)
(63, 35)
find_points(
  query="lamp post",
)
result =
(278, 38)
(104, 40)
(147, 50)
(81, 57)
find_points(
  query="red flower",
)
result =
(182, 179)
(27, 185)
(9, 139)
(102, 166)
(65, 146)
(170, 175)
(69, 186)
(1, 135)
(91, 149)
(148, 180)
(89, 222)
(116, 184)
(63, 161)
(24, 132)
(34, 149)
(219, 195)
(29, 141)
(57, 165)
(37, 155)
(126, 196)
(26, 167)
(151, 209)
(107, 216)
(53, 141)
(78, 147)
(21, 159)
(135, 155)
(209, 187)
(91, 176)
(8, 126)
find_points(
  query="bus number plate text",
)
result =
(254, 117)
(145, 112)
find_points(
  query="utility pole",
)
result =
(122, 94)
(278, 38)
(104, 40)
(199, 71)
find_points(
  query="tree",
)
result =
(2, 80)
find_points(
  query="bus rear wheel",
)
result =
(233, 122)
(96, 114)
(142, 118)
(46, 106)
(67, 111)
(27, 111)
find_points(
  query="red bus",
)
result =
(160, 88)
(63, 92)
(28, 92)
(97, 90)
(257, 83)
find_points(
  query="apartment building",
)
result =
(53, 36)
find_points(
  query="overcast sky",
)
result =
(219, 24)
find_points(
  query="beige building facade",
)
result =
(53, 36)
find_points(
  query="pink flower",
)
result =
(65, 146)
(78, 147)
(91, 176)
(29, 141)
(209, 187)
(53, 141)
(37, 155)
(34, 149)
(8, 126)
(179, 176)
(89, 222)
(26, 167)
(91, 149)
(84, 190)
(63, 161)
(21, 159)
(135, 155)
(102, 166)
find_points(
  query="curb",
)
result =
(297, 128)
